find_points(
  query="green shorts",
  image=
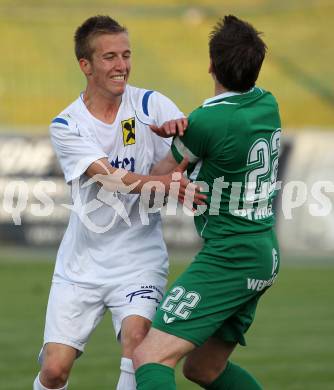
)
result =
(218, 293)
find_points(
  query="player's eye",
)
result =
(109, 57)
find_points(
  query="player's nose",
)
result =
(120, 64)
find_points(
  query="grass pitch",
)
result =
(290, 346)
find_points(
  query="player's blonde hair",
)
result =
(92, 27)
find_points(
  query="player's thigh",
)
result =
(135, 300)
(197, 302)
(234, 328)
(161, 347)
(72, 314)
(224, 277)
(256, 262)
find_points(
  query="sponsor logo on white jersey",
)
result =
(129, 131)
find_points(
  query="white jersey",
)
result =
(104, 243)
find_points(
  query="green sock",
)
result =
(153, 376)
(234, 378)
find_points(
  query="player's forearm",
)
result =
(118, 179)
(164, 166)
(161, 168)
(131, 179)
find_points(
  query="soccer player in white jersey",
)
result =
(107, 260)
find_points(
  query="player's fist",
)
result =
(181, 188)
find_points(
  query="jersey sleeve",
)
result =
(194, 143)
(162, 109)
(161, 147)
(75, 152)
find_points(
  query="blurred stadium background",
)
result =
(291, 344)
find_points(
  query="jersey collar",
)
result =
(225, 95)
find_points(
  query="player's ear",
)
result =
(210, 70)
(85, 66)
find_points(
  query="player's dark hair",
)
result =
(236, 53)
(92, 27)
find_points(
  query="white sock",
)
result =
(38, 385)
(127, 379)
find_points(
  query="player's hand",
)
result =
(186, 192)
(171, 128)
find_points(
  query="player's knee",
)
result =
(54, 374)
(133, 338)
(192, 372)
(199, 374)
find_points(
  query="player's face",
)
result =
(110, 63)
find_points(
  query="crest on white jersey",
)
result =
(129, 131)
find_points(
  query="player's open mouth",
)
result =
(119, 77)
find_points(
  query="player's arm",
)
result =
(117, 179)
(168, 120)
(165, 166)
(79, 154)
(196, 143)
(192, 144)
(104, 173)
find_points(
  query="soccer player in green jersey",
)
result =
(232, 142)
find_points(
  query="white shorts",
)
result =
(73, 311)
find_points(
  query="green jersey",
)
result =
(232, 142)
